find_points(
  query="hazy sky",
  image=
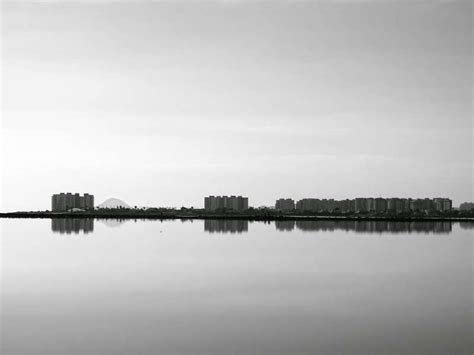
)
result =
(162, 103)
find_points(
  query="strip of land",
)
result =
(162, 215)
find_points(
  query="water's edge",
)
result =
(52, 215)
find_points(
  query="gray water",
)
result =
(233, 287)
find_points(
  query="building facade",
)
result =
(230, 203)
(64, 202)
(325, 205)
(466, 206)
(442, 204)
(285, 204)
(361, 204)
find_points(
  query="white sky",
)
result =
(162, 103)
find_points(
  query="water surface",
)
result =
(236, 287)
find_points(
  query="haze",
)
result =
(162, 103)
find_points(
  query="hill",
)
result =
(113, 203)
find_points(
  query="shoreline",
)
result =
(198, 216)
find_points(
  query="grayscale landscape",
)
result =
(236, 177)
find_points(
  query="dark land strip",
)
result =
(248, 217)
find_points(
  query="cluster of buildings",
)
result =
(64, 202)
(357, 205)
(232, 203)
(365, 204)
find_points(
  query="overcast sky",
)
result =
(162, 103)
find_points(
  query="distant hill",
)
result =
(113, 203)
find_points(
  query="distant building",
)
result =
(380, 205)
(361, 204)
(285, 204)
(88, 201)
(442, 204)
(373, 205)
(370, 203)
(466, 206)
(420, 205)
(395, 205)
(346, 205)
(67, 201)
(308, 204)
(231, 203)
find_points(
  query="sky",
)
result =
(161, 103)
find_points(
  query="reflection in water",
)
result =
(285, 225)
(466, 225)
(72, 225)
(86, 225)
(113, 222)
(128, 292)
(368, 226)
(225, 226)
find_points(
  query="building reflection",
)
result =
(368, 226)
(466, 225)
(285, 225)
(72, 225)
(225, 226)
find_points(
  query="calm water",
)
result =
(230, 287)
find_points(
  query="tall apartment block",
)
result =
(232, 203)
(66, 201)
(398, 205)
(442, 204)
(285, 204)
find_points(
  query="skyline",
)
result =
(73, 200)
(67, 200)
(176, 101)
